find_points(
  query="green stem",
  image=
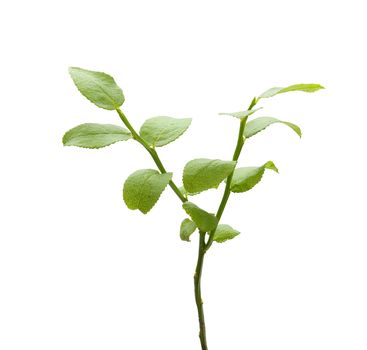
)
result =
(151, 151)
(197, 285)
(203, 247)
(227, 190)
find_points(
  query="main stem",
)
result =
(197, 285)
(203, 246)
(199, 266)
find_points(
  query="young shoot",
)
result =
(143, 188)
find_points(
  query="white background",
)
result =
(78, 270)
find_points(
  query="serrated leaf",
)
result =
(297, 87)
(99, 88)
(204, 221)
(202, 174)
(92, 135)
(160, 131)
(224, 233)
(246, 178)
(242, 114)
(187, 228)
(256, 125)
(143, 188)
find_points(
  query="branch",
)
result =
(152, 152)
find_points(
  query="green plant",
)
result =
(143, 188)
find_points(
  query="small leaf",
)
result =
(224, 233)
(183, 191)
(204, 221)
(91, 135)
(297, 87)
(256, 125)
(143, 188)
(99, 88)
(242, 114)
(202, 174)
(160, 131)
(246, 178)
(187, 228)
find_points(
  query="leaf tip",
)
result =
(271, 166)
(65, 139)
(72, 69)
(297, 130)
(322, 87)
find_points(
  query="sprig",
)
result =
(143, 188)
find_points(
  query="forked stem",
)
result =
(203, 246)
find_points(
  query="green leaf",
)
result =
(99, 88)
(297, 87)
(224, 233)
(160, 131)
(204, 221)
(243, 114)
(91, 135)
(256, 125)
(187, 228)
(143, 188)
(182, 189)
(202, 174)
(246, 178)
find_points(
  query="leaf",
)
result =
(143, 188)
(187, 228)
(224, 233)
(297, 87)
(243, 114)
(95, 135)
(99, 88)
(204, 221)
(202, 174)
(246, 178)
(183, 191)
(160, 131)
(256, 125)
